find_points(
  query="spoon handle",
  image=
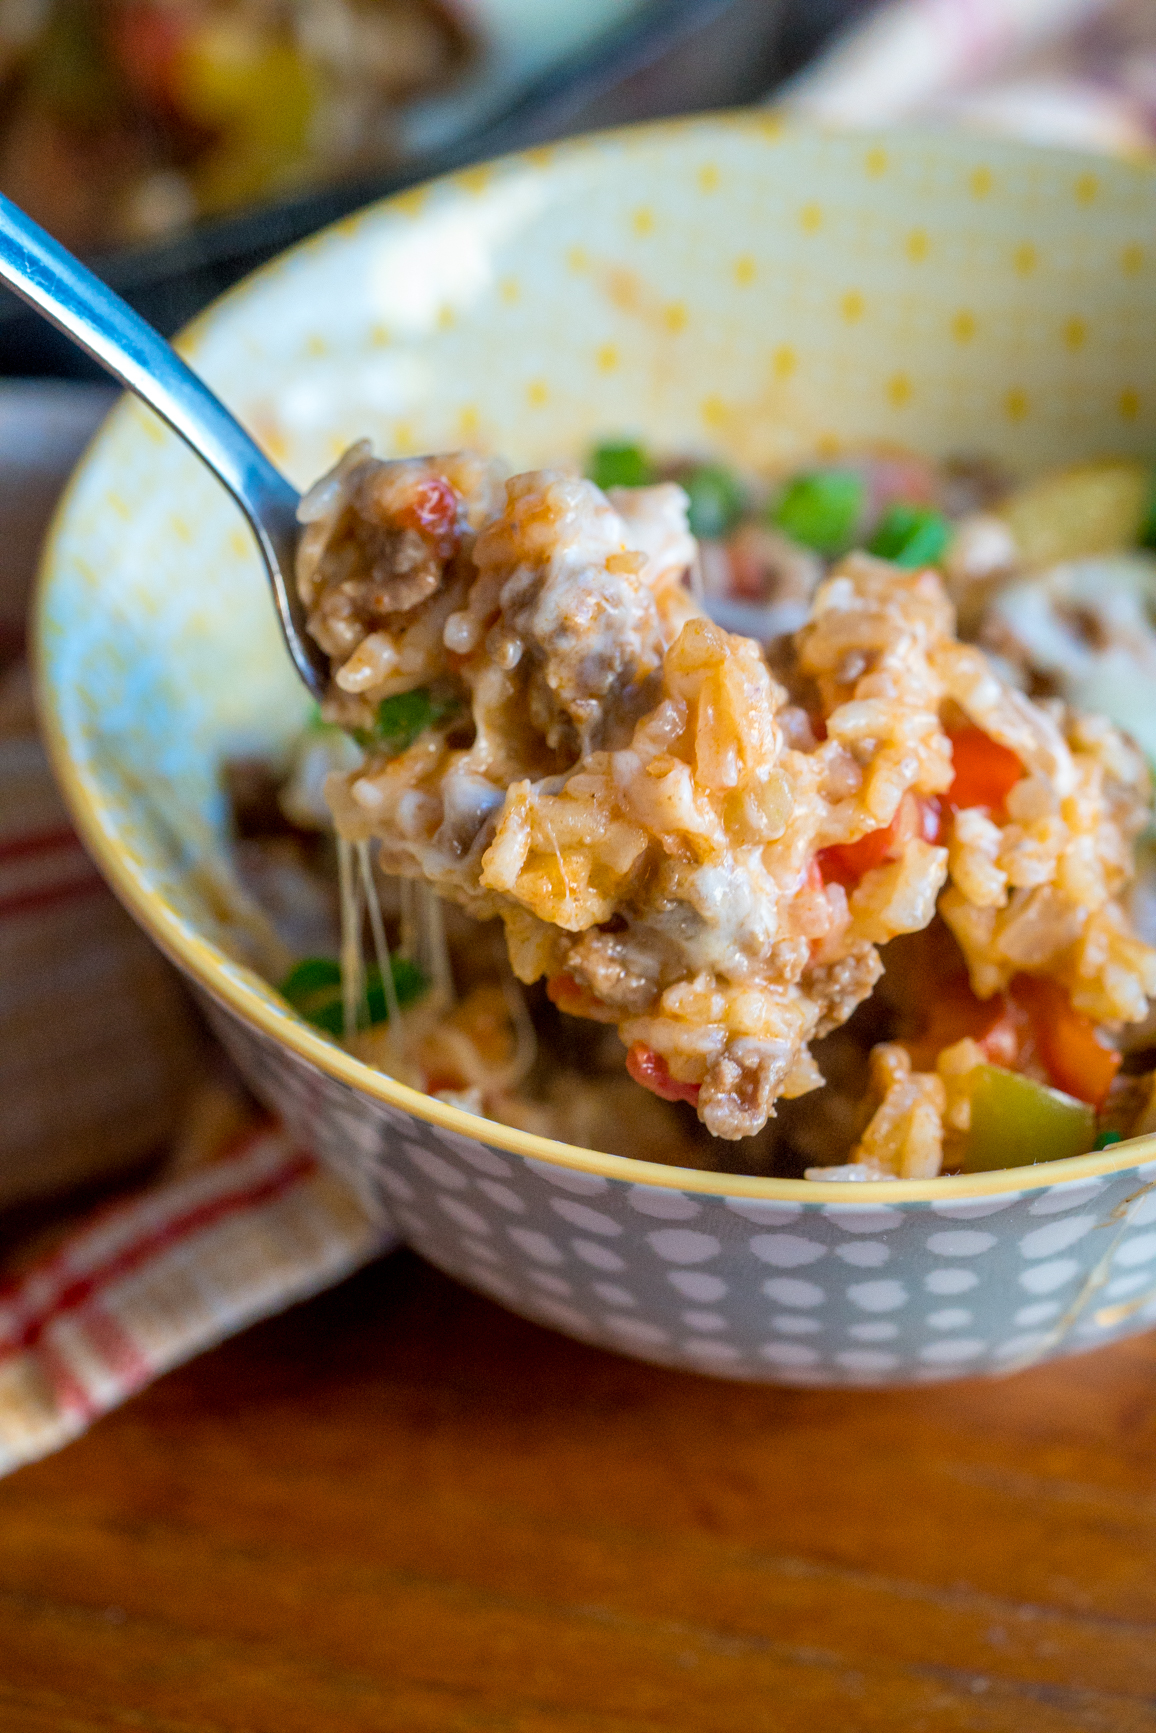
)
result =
(66, 292)
(48, 276)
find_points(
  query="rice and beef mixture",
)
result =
(703, 840)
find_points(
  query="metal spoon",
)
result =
(50, 279)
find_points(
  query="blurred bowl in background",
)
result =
(527, 73)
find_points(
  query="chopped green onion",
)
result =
(821, 510)
(716, 500)
(403, 717)
(1107, 1138)
(408, 983)
(910, 535)
(619, 465)
(313, 988)
(311, 975)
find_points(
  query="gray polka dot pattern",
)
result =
(784, 1292)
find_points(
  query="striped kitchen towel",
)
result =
(147, 1282)
(110, 1086)
(107, 1078)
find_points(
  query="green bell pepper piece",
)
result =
(1016, 1122)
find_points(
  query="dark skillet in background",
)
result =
(674, 57)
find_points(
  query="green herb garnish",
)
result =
(403, 717)
(910, 535)
(619, 465)
(821, 510)
(313, 988)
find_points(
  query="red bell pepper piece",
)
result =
(1032, 1025)
(985, 771)
(846, 862)
(651, 1070)
(1069, 1047)
(432, 510)
(570, 996)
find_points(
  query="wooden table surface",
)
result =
(399, 1507)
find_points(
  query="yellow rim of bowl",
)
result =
(225, 983)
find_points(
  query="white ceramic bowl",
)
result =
(719, 284)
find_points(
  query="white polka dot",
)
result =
(550, 1284)
(395, 1185)
(671, 1206)
(566, 1178)
(874, 1332)
(786, 1251)
(967, 1209)
(503, 1196)
(1038, 1313)
(877, 1296)
(791, 1291)
(1144, 1212)
(946, 1353)
(867, 1360)
(1122, 1286)
(795, 1324)
(950, 1281)
(697, 1285)
(864, 1254)
(1044, 1277)
(479, 1249)
(950, 1318)
(636, 1329)
(789, 1354)
(1028, 1343)
(566, 1316)
(1065, 1197)
(599, 1257)
(537, 1246)
(963, 1244)
(704, 1321)
(460, 1212)
(684, 1245)
(437, 1168)
(580, 1215)
(1140, 1250)
(1056, 1237)
(708, 1348)
(763, 1211)
(613, 1294)
(479, 1157)
(854, 1219)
